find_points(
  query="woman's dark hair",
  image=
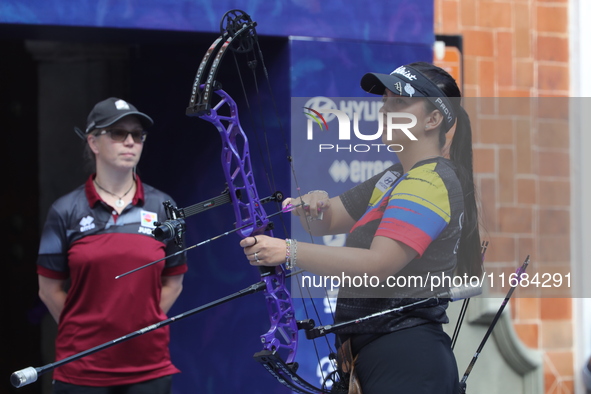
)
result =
(460, 152)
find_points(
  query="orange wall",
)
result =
(519, 49)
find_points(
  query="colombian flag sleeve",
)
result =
(418, 209)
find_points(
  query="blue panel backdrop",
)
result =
(409, 21)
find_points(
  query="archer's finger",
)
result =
(286, 202)
(249, 241)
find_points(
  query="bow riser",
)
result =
(281, 315)
(238, 169)
(282, 335)
(280, 342)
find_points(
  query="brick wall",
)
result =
(516, 63)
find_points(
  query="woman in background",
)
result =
(98, 231)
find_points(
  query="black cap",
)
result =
(109, 111)
(410, 82)
(404, 81)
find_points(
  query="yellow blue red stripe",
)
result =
(418, 209)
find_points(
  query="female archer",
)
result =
(417, 218)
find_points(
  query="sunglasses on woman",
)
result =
(120, 135)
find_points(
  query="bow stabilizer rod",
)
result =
(29, 375)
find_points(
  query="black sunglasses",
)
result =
(120, 135)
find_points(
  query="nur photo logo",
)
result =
(349, 116)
